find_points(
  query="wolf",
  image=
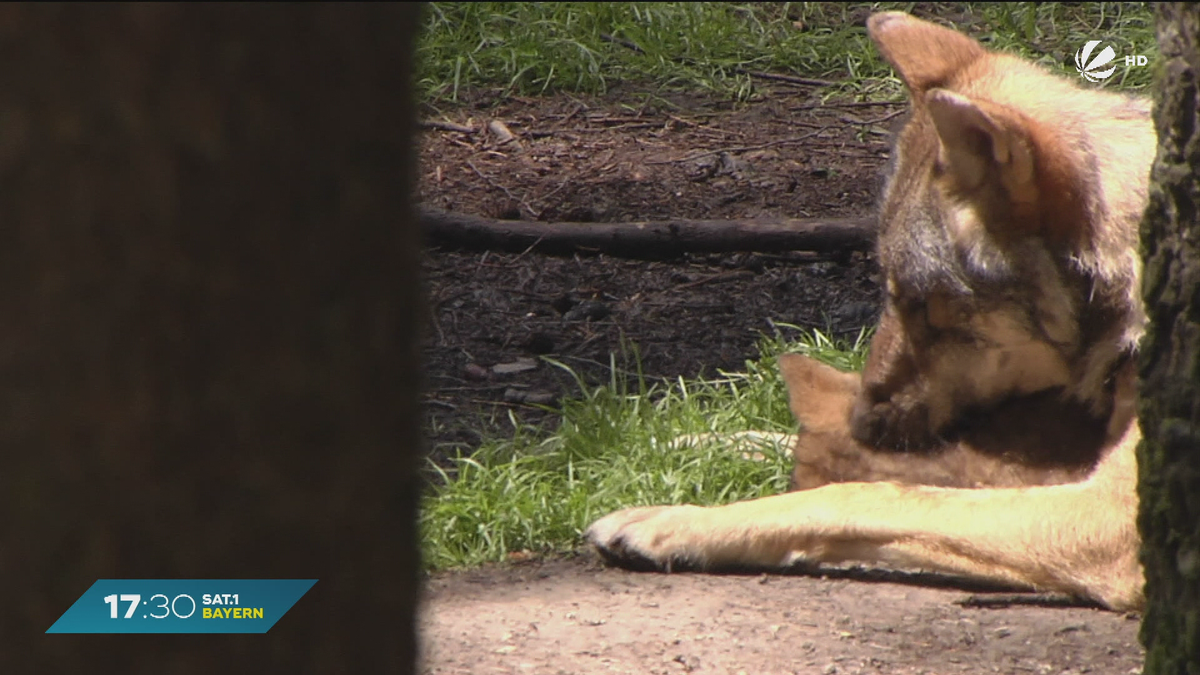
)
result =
(992, 432)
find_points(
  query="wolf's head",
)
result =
(1007, 238)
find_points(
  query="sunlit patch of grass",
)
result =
(534, 48)
(537, 491)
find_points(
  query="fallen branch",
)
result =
(651, 239)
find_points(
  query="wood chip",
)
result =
(501, 131)
(519, 366)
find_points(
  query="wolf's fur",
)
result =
(1002, 361)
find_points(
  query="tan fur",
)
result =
(999, 449)
(992, 433)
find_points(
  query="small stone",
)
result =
(474, 371)
(590, 310)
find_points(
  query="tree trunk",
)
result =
(1169, 410)
(208, 361)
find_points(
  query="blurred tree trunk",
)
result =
(1169, 457)
(208, 363)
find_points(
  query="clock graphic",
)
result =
(167, 605)
(182, 606)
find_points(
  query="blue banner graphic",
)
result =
(182, 606)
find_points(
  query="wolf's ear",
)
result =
(980, 141)
(924, 54)
(820, 396)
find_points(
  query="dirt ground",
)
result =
(601, 160)
(561, 617)
(629, 156)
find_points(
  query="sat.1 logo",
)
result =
(1093, 66)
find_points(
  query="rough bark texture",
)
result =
(208, 360)
(650, 240)
(1169, 457)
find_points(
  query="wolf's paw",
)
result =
(651, 538)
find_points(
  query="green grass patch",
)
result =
(534, 48)
(537, 491)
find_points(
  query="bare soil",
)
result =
(602, 160)
(560, 617)
(630, 156)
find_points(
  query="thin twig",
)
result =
(555, 191)
(722, 276)
(480, 388)
(437, 325)
(850, 120)
(623, 42)
(434, 403)
(613, 119)
(686, 123)
(790, 79)
(847, 104)
(522, 255)
(744, 148)
(885, 118)
(506, 404)
(622, 127)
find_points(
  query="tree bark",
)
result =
(208, 364)
(1169, 408)
(649, 240)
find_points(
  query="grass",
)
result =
(532, 48)
(536, 492)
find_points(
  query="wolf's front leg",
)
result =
(767, 533)
(1077, 538)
